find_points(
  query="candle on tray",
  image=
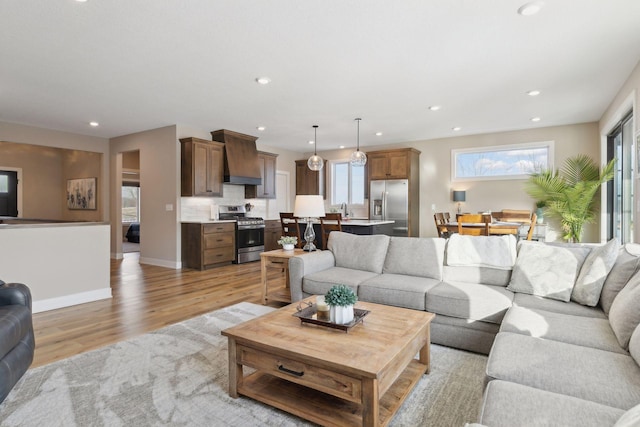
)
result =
(322, 309)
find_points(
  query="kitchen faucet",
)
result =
(343, 209)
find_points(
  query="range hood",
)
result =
(241, 164)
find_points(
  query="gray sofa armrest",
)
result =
(301, 265)
(15, 294)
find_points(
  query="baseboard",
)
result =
(161, 263)
(69, 300)
(117, 255)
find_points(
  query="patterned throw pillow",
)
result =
(548, 271)
(594, 272)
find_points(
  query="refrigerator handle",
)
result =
(384, 205)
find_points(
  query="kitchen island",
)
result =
(353, 226)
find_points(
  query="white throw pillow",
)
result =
(631, 418)
(624, 315)
(594, 272)
(548, 271)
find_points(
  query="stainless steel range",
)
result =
(249, 232)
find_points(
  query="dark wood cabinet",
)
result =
(310, 182)
(391, 164)
(208, 245)
(202, 164)
(266, 190)
(272, 233)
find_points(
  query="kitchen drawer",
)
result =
(217, 255)
(218, 240)
(219, 228)
(304, 373)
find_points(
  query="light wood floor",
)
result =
(145, 298)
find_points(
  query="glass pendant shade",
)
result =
(315, 162)
(358, 158)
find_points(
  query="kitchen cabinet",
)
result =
(392, 164)
(310, 182)
(206, 245)
(266, 190)
(202, 166)
(272, 233)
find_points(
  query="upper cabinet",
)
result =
(266, 190)
(202, 165)
(391, 164)
(308, 181)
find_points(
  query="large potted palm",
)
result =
(569, 194)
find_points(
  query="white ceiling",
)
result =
(134, 65)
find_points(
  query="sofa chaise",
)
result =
(558, 321)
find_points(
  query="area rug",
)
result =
(177, 376)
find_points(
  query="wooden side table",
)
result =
(277, 259)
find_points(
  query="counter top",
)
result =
(358, 222)
(49, 225)
(210, 221)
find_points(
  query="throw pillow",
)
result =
(594, 272)
(627, 264)
(624, 315)
(547, 271)
(631, 418)
(634, 345)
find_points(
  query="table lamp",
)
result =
(309, 207)
(459, 196)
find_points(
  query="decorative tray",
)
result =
(308, 315)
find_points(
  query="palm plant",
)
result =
(569, 194)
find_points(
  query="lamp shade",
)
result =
(309, 207)
(459, 196)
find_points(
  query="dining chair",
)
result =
(290, 226)
(441, 221)
(534, 217)
(326, 228)
(473, 224)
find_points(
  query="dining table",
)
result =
(495, 228)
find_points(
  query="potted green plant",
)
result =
(340, 300)
(288, 242)
(569, 194)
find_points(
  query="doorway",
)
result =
(130, 193)
(620, 190)
(9, 193)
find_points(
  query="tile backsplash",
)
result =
(206, 208)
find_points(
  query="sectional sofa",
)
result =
(559, 322)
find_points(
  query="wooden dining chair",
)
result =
(474, 224)
(290, 227)
(532, 226)
(326, 228)
(441, 227)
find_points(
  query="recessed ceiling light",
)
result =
(94, 124)
(311, 142)
(533, 93)
(456, 129)
(435, 107)
(378, 133)
(529, 9)
(535, 119)
(341, 146)
(261, 128)
(263, 80)
(81, 1)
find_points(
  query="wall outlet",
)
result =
(168, 207)
(433, 208)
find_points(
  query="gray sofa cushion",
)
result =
(631, 418)
(365, 253)
(397, 290)
(627, 264)
(469, 301)
(624, 315)
(320, 282)
(634, 345)
(484, 275)
(547, 270)
(586, 331)
(414, 256)
(612, 379)
(572, 308)
(508, 404)
(593, 273)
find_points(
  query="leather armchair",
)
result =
(17, 343)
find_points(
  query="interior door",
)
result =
(9, 193)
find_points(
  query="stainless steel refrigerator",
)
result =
(389, 200)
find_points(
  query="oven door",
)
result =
(249, 243)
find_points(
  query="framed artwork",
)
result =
(81, 193)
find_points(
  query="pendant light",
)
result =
(358, 158)
(315, 162)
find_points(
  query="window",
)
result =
(620, 189)
(347, 183)
(4, 184)
(130, 203)
(501, 162)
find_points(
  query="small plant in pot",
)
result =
(288, 242)
(340, 300)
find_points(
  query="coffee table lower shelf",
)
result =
(322, 408)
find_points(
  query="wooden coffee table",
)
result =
(328, 376)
